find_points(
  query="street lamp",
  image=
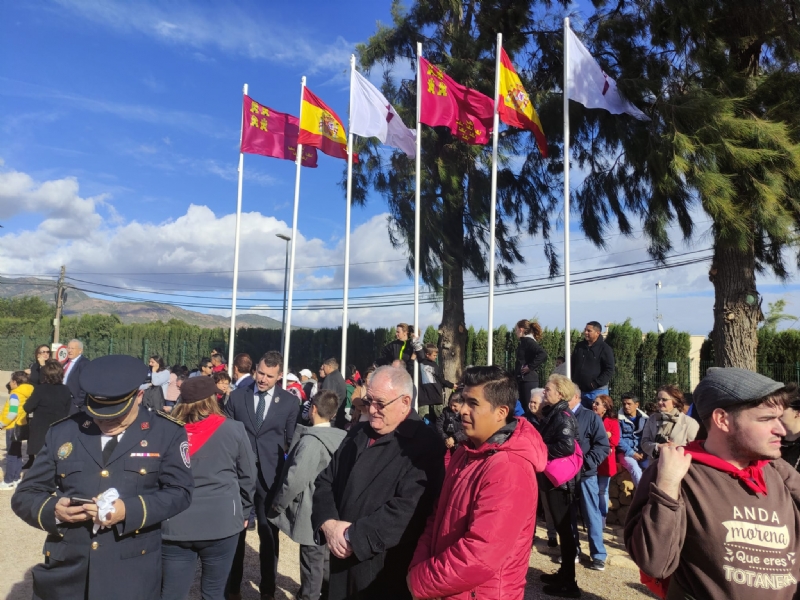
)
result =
(287, 239)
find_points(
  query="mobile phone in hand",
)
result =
(77, 501)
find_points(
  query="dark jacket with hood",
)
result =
(311, 451)
(478, 543)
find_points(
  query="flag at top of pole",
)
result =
(467, 112)
(515, 106)
(589, 85)
(322, 128)
(271, 133)
(371, 115)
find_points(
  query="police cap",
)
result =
(111, 384)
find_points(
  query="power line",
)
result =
(368, 296)
(593, 279)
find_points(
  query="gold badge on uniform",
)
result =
(64, 451)
(143, 443)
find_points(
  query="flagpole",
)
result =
(567, 331)
(343, 365)
(298, 162)
(493, 207)
(232, 335)
(417, 210)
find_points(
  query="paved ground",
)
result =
(21, 545)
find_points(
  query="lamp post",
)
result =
(287, 239)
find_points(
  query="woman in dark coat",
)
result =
(559, 431)
(224, 470)
(49, 402)
(530, 356)
(40, 356)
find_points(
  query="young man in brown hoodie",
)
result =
(720, 518)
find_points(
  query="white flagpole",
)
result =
(567, 330)
(298, 162)
(493, 207)
(343, 365)
(232, 335)
(417, 211)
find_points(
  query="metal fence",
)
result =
(785, 372)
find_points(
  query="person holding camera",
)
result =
(669, 425)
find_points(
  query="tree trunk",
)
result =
(736, 306)
(453, 331)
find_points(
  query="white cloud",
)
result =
(230, 29)
(189, 259)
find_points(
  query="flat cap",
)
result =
(725, 387)
(199, 388)
(111, 383)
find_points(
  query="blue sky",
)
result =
(119, 130)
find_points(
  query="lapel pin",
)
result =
(143, 443)
(145, 425)
(86, 424)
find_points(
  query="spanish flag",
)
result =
(322, 128)
(515, 106)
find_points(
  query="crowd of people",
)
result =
(394, 491)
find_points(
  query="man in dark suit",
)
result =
(269, 415)
(114, 443)
(76, 361)
(372, 501)
(242, 369)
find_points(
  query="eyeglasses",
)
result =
(379, 407)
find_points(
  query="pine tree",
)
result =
(721, 78)
(460, 38)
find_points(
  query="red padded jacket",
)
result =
(477, 544)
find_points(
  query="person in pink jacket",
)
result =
(478, 541)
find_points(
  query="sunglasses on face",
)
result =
(44, 351)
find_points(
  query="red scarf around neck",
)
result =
(752, 475)
(201, 431)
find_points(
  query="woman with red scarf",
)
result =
(224, 470)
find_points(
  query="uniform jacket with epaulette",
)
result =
(149, 468)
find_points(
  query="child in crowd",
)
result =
(309, 455)
(449, 426)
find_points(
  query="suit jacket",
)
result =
(387, 491)
(74, 384)
(271, 441)
(124, 561)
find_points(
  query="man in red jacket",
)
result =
(478, 542)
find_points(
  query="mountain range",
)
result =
(79, 303)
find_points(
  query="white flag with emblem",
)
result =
(373, 116)
(588, 84)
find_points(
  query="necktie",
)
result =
(67, 364)
(260, 409)
(109, 448)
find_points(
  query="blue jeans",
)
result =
(634, 467)
(590, 507)
(587, 398)
(13, 458)
(602, 485)
(179, 563)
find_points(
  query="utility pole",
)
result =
(59, 306)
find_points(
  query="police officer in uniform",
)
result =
(113, 443)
